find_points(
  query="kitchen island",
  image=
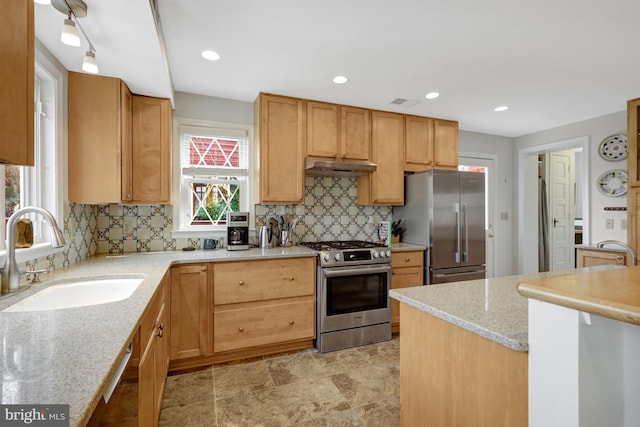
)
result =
(463, 352)
(68, 356)
(584, 337)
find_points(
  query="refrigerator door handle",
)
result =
(456, 208)
(465, 253)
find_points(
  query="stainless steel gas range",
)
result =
(353, 282)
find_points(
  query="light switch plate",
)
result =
(609, 223)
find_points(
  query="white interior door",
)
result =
(491, 187)
(561, 196)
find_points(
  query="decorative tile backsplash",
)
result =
(330, 212)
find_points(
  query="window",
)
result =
(214, 176)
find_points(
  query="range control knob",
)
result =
(375, 254)
(382, 254)
(326, 258)
(337, 257)
(388, 253)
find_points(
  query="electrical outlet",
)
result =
(623, 224)
(609, 224)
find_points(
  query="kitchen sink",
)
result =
(78, 294)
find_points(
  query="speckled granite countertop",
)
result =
(613, 293)
(68, 356)
(491, 308)
(400, 247)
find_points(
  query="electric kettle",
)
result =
(265, 237)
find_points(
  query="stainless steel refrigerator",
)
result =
(445, 211)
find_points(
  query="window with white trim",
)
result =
(214, 176)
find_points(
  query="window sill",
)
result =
(39, 250)
(198, 234)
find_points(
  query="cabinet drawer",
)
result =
(407, 259)
(406, 277)
(236, 282)
(250, 327)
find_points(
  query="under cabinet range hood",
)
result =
(316, 166)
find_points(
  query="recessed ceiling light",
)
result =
(432, 95)
(210, 55)
(340, 80)
(501, 108)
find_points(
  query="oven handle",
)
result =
(327, 272)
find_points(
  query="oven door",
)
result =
(353, 296)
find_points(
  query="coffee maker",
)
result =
(237, 231)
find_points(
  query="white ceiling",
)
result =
(552, 62)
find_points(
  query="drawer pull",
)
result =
(393, 272)
(203, 268)
(290, 277)
(291, 322)
(407, 259)
(241, 283)
(241, 329)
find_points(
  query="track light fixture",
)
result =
(76, 9)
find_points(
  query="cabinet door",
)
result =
(407, 271)
(418, 153)
(151, 154)
(355, 133)
(146, 394)
(95, 132)
(385, 186)
(126, 138)
(17, 75)
(189, 311)
(445, 148)
(591, 258)
(281, 139)
(633, 121)
(322, 129)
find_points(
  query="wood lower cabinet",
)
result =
(281, 139)
(595, 257)
(190, 311)
(385, 186)
(263, 303)
(119, 148)
(407, 270)
(17, 33)
(633, 157)
(154, 360)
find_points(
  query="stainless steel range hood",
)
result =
(316, 166)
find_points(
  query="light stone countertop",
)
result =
(402, 247)
(491, 308)
(68, 356)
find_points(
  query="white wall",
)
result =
(502, 148)
(595, 130)
(211, 108)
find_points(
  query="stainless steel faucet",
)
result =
(10, 271)
(629, 249)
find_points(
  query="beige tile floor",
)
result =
(354, 387)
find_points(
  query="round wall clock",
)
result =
(613, 183)
(614, 147)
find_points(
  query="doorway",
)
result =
(487, 165)
(570, 193)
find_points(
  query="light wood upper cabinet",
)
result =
(17, 76)
(355, 133)
(120, 147)
(418, 151)
(445, 144)
(338, 131)
(151, 151)
(280, 136)
(190, 309)
(97, 131)
(385, 186)
(323, 128)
